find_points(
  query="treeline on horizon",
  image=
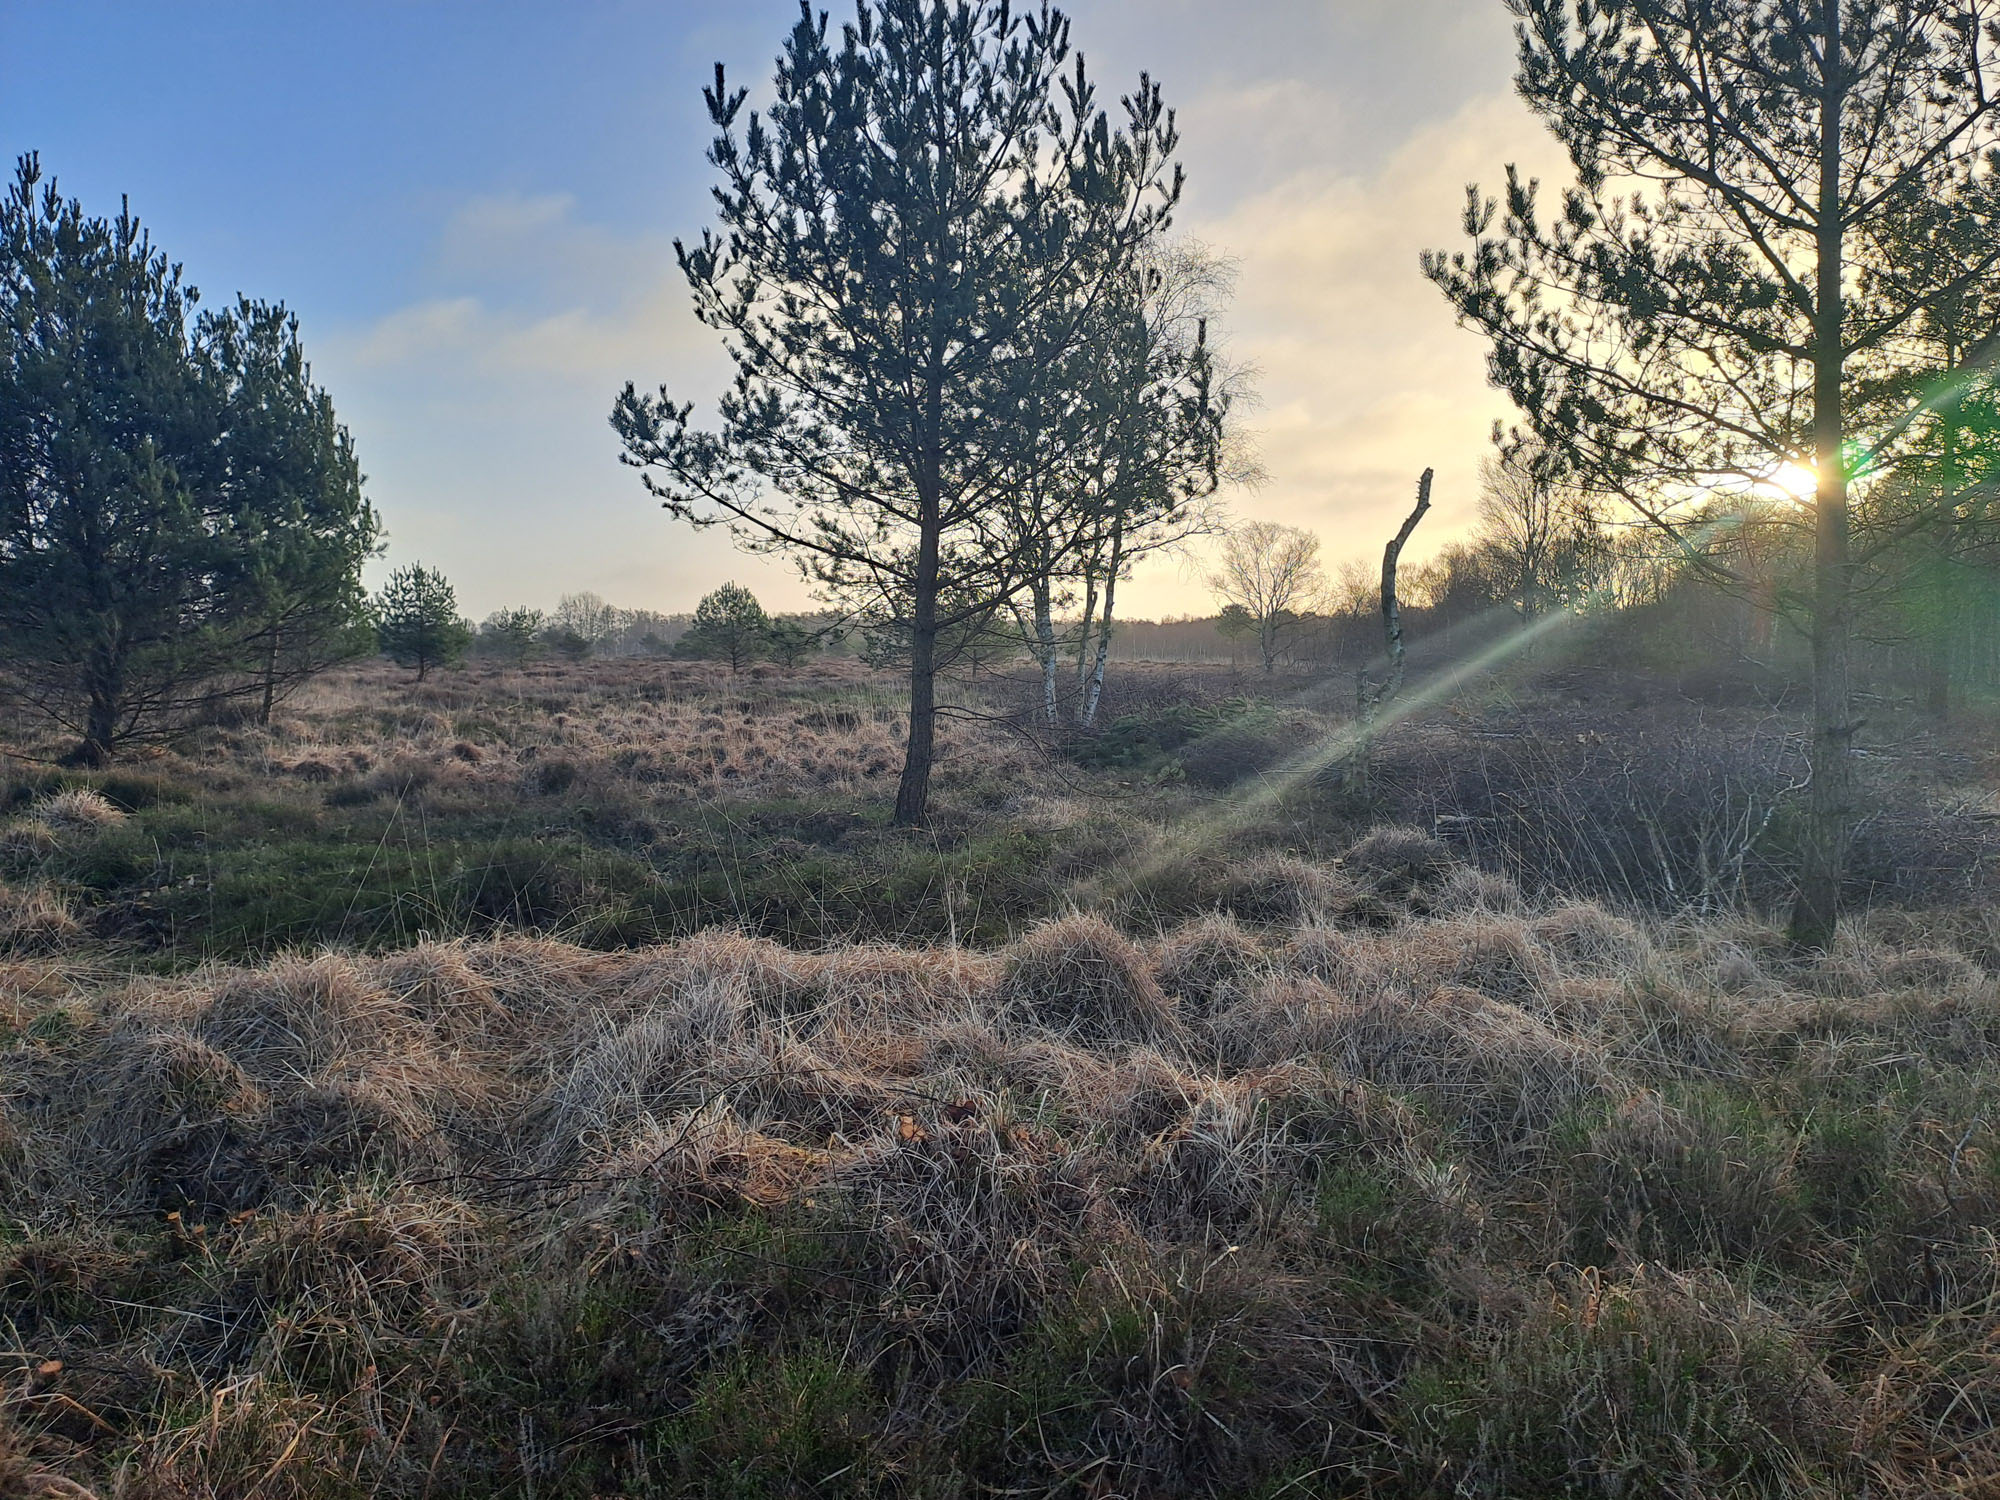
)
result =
(978, 375)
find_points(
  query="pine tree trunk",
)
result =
(104, 691)
(1830, 801)
(101, 726)
(270, 682)
(913, 792)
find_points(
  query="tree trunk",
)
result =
(913, 792)
(1371, 696)
(104, 689)
(1830, 800)
(1089, 613)
(1096, 693)
(1045, 649)
(101, 726)
(270, 682)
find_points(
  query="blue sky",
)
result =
(471, 207)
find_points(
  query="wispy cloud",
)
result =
(484, 412)
(484, 405)
(1365, 379)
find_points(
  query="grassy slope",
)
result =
(1377, 1178)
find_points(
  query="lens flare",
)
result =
(1792, 481)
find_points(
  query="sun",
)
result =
(1790, 481)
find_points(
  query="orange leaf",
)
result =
(49, 1367)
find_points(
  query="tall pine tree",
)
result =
(929, 185)
(1695, 316)
(181, 519)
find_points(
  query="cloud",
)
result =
(482, 407)
(1365, 379)
(482, 413)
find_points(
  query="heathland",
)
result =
(564, 1081)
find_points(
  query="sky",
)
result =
(471, 204)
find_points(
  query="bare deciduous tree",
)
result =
(1272, 574)
(1543, 533)
(585, 616)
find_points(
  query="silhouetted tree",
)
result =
(927, 185)
(1119, 456)
(1937, 491)
(1694, 315)
(1543, 534)
(181, 519)
(416, 617)
(790, 643)
(1272, 575)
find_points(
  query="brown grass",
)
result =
(35, 921)
(1444, 1193)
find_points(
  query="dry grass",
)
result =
(35, 921)
(465, 1218)
(680, 729)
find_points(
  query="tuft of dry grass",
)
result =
(1400, 861)
(78, 810)
(35, 921)
(1080, 976)
(1283, 889)
(1435, 1191)
(1209, 964)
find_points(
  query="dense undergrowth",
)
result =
(1311, 1165)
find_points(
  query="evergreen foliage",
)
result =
(1717, 298)
(912, 242)
(729, 625)
(416, 617)
(181, 519)
(513, 635)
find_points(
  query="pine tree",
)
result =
(928, 184)
(1936, 491)
(1699, 314)
(416, 617)
(789, 643)
(729, 625)
(512, 634)
(181, 518)
(1120, 448)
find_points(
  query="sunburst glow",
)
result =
(1791, 481)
